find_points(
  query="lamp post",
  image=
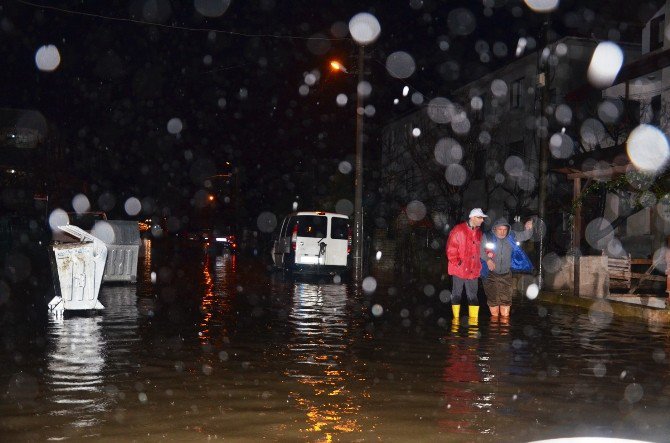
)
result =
(358, 177)
(364, 29)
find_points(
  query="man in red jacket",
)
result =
(463, 262)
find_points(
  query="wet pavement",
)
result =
(218, 347)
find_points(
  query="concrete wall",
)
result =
(593, 281)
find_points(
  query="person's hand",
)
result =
(490, 264)
(529, 225)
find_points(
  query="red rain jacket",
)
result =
(463, 251)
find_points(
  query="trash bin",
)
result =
(79, 268)
(122, 252)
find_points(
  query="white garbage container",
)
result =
(123, 251)
(79, 268)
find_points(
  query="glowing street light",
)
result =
(337, 66)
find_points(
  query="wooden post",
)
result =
(667, 266)
(576, 232)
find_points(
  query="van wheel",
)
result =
(288, 263)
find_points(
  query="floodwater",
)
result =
(218, 347)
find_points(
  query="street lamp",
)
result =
(364, 29)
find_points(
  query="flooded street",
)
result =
(218, 347)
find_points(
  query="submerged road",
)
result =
(218, 347)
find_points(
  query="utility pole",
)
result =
(543, 132)
(358, 184)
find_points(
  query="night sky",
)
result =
(153, 95)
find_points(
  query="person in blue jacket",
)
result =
(496, 251)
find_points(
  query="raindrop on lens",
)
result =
(417, 98)
(47, 58)
(400, 64)
(364, 89)
(174, 126)
(605, 64)
(445, 296)
(461, 21)
(608, 111)
(364, 28)
(476, 103)
(439, 110)
(514, 166)
(416, 210)
(369, 284)
(344, 206)
(211, 8)
(456, 174)
(599, 370)
(310, 79)
(542, 5)
(377, 310)
(499, 88)
(341, 99)
(563, 114)
(266, 222)
(80, 203)
(633, 393)
(345, 167)
(648, 148)
(132, 206)
(658, 355)
(532, 291)
(601, 313)
(599, 233)
(103, 231)
(592, 131)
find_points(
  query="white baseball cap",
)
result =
(477, 212)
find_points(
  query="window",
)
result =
(312, 226)
(657, 28)
(339, 228)
(515, 94)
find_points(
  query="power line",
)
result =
(181, 28)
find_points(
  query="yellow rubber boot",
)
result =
(456, 310)
(473, 321)
(455, 321)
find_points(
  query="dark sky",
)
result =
(129, 68)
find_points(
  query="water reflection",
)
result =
(319, 349)
(144, 269)
(219, 274)
(466, 376)
(87, 351)
(74, 369)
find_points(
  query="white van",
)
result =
(313, 242)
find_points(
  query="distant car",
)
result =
(223, 240)
(215, 240)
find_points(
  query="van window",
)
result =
(339, 228)
(312, 226)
